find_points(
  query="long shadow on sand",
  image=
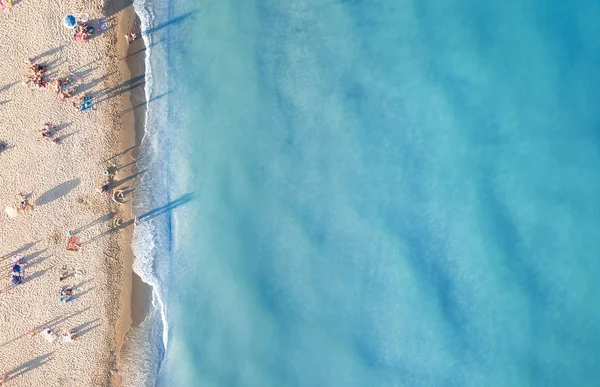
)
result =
(148, 215)
(144, 103)
(93, 223)
(44, 54)
(48, 324)
(8, 86)
(21, 249)
(124, 87)
(87, 327)
(115, 6)
(58, 192)
(118, 183)
(121, 153)
(37, 274)
(29, 365)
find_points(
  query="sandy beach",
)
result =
(60, 181)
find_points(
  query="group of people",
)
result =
(83, 31)
(66, 87)
(36, 75)
(50, 335)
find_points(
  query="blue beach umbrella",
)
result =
(70, 21)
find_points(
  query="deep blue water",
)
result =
(372, 193)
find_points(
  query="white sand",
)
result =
(62, 179)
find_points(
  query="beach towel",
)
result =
(86, 104)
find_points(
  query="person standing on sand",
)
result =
(2, 378)
(131, 37)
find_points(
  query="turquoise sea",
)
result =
(370, 193)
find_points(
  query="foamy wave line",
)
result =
(143, 245)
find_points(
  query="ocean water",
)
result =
(370, 193)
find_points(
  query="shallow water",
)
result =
(384, 193)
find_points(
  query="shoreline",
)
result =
(135, 295)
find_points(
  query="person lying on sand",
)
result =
(69, 335)
(48, 133)
(64, 296)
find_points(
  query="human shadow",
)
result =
(100, 220)
(184, 199)
(87, 86)
(65, 125)
(37, 274)
(80, 73)
(101, 26)
(121, 153)
(145, 103)
(58, 192)
(53, 66)
(5, 102)
(59, 320)
(36, 261)
(169, 23)
(119, 167)
(80, 284)
(113, 7)
(34, 258)
(85, 69)
(141, 50)
(44, 54)
(48, 324)
(124, 180)
(21, 249)
(87, 327)
(81, 294)
(29, 365)
(127, 86)
(110, 231)
(8, 86)
(64, 137)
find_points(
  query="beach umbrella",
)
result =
(70, 21)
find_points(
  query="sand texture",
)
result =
(61, 179)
